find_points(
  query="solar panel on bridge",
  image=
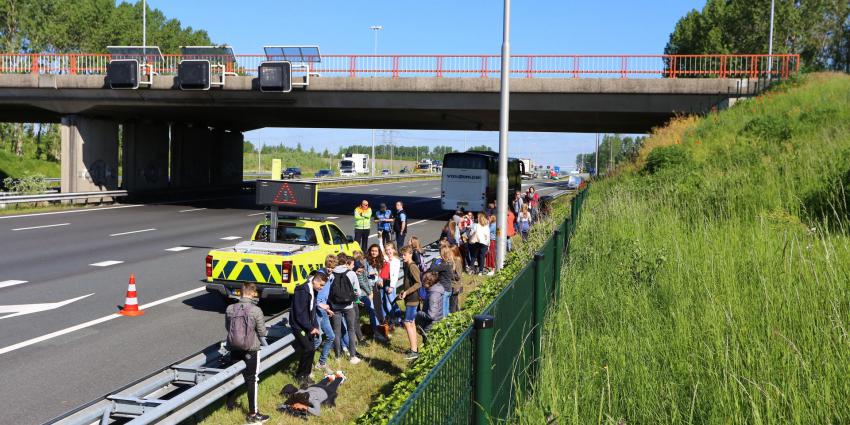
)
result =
(214, 54)
(152, 53)
(293, 53)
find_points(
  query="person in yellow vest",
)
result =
(362, 224)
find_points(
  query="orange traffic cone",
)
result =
(131, 304)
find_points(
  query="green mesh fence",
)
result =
(445, 395)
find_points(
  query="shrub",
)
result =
(667, 157)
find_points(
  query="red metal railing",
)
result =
(440, 66)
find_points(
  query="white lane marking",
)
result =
(131, 232)
(69, 212)
(411, 192)
(22, 309)
(91, 323)
(106, 263)
(8, 283)
(41, 227)
(418, 222)
(436, 197)
(374, 190)
(191, 210)
(259, 213)
(333, 217)
(178, 248)
(231, 238)
(172, 298)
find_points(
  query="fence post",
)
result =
(559, 258)
(538, 301)
(483, 392)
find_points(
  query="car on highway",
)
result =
(324, 173)
(404, 170)
(292, 173)
(385, 172)
(300, 248)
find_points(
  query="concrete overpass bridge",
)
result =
(201, 131)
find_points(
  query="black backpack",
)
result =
(397, 222)
(342, 290)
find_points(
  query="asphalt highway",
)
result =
(64, 274)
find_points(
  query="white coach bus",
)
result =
(470, 178)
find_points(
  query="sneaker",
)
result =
(412, 356)
(491, 273)
(355, 360)
(407, 352)
(423, 333)
(257, 418)
(323, 367)
(345, 350)
(305, 381)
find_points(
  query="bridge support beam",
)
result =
(191, 153)
(89, 154)
(227, 158)
(145, 156)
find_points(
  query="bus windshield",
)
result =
(346, 164)
(465, 161)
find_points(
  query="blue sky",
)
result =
(437, 27)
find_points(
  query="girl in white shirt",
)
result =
(391, 309)
(481, 235)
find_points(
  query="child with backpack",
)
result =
(245, 326)
(304, 321)
(343, 293)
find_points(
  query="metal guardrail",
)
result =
(178, 392)
(446, 66)
(56, 197)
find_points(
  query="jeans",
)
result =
(481, 251)
(329, 336)
(447, 296)
(361, 236)
(350, 320)
(367, 305)
(391, 308)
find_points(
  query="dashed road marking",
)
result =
(41, 227)
(178, 248)
(132, 232)
(106, 263)
(231, 238)
(8, 283)
(332, 218)
(411, 192)
(69, 212)
(255, 214)
(191, 210)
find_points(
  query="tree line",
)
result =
(613, 149)
(817, 30)
(69, 26)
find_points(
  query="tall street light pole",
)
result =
(144, 32)
(504, 109)
(770, 43)
(375, 29)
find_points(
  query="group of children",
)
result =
(325, 311)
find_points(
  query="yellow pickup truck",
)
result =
(276, 267)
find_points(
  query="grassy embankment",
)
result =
(11, 165)
(710, 282)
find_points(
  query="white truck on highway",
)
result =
(353, 164)
(528, 169)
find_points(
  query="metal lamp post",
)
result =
(375, 29)
(770, 43)
(144, 32)
(504, 109)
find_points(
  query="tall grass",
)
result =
(17, 167)
(715, 290)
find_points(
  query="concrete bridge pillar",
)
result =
(191, 153)
(145, 156)
(227, 158)
(89, 154)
